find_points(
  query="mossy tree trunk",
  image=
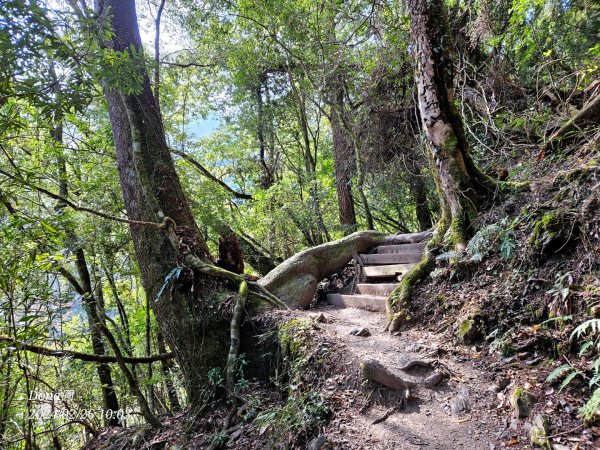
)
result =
(459, 181)
(449, 151)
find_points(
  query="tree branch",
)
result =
(210, 176)
(82, 356)
(76, 207)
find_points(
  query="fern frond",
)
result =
(568, 379)
(558, 372)
(588, 411)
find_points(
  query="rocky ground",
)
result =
(473, 407)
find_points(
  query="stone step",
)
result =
(390, 258)
(386, 271)
(368, 302)
(378, 289)
(402, 248)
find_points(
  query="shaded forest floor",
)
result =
(495, 321)
(469, 409)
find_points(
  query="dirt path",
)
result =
(431, 419)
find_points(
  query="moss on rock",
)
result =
(522, 401)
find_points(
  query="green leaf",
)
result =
(558, 372)
(568, 379)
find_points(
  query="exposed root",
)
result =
(417, 363)
(389, 412)
(371, 370)
(234, 348)
(397, 305)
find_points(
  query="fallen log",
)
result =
(588, 116)
(295, 280)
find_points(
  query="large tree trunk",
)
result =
(442, 124)
(342, 159)
(458, 179)
(187, 308)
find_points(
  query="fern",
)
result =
(494, 237)
(558, 372)
(568, 379)
(446, 256)
(592, 325)
(588, 411)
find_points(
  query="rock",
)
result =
(316, 443)
(467, 331)
(460, 403)
(538, 434)
(320, 318)
(522, 402)
(414, 348)
(235, 436)
(499, 385)
(433, 379)
(396, 333)
(364, 332)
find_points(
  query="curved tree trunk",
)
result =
(295, 280)
(434, 73)
(186, 309)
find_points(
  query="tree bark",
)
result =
(342, 160)
(109, 395)
(419, 193)
(449, 156)
(458, 180)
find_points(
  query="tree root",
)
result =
(389, 412)
(371, 370)
(234, 348)
(416, 363)
(397, 304)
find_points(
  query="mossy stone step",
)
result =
(402, 248)
(368, 302)
(391, 258)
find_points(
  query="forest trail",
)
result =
(462, 412)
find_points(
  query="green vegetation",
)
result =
(154, 155)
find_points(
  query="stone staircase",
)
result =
(382, 269)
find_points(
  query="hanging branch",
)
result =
(76, 207)
(210, 176)
(19, 345)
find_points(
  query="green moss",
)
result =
(465, 327)
(542, 230)
(522, 401)
(539, 433)
(293, 337)
(468, 330)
